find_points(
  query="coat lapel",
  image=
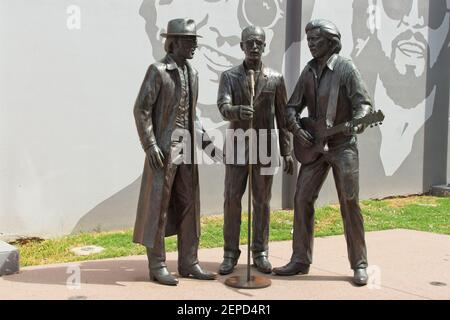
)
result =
(244, 82)
(261, 82)
(192, 84)
(170, 63)
(171, 67)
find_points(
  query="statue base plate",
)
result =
(256, 282)
(9, 259)
(440, 191)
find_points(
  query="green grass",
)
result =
(422, 213)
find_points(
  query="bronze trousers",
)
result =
(235, 185)
(344, 162)
(182, 193)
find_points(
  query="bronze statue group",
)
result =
(332, 90)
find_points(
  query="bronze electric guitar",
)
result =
(320, 133)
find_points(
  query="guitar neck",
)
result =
(369, 119)
(335, 130)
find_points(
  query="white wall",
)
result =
(67, 134)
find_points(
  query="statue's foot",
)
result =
(291, 269)
(163, 276)
(197, 272)
(360, 277)
(227, 266)
(262, 264)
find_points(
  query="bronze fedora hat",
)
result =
(181, 27)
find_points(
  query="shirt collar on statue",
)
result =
(171, 64)
(331, 62)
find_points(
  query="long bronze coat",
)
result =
(155, 114)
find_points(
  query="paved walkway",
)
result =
(404, 265)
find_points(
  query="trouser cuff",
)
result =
(260, 254)
(232, 254)
(360, 266)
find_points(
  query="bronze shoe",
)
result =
(198, 273)
(291, 269)
(360, 277)
(262, 264)
(163, 276)
(227, 265)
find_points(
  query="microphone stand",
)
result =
(249, 282)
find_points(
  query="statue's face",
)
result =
(253, 46)
(220, 23)
(404, 29)
(184, 47)
(319, 46)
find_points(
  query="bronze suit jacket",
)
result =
(312, 93)
(155, 114)
(269, 104)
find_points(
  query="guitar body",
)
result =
(306, 155)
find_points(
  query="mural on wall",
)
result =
(402, 50)
(220, 23)
(399, 47)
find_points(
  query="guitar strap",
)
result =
(334, 93)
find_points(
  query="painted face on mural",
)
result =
(220, 23)
(404, 40)
(405, 26)
(401, 46)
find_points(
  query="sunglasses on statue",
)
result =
(433, 12)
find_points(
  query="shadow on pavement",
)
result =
(102, 272)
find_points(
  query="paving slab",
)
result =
(404, 264)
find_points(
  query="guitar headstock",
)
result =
(374, 118)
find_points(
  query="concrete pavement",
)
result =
(404, 264)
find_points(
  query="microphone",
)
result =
(251, 73)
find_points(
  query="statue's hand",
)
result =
(305, 138)
(288, 164)
(355, 130)
(246, 112)
(359, 129)
(155, 157)
(363, 111)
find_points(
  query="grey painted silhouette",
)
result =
(401, 50)
(115, 213)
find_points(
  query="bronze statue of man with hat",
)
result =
(169, 201)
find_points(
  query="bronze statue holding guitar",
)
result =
(339, 108)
